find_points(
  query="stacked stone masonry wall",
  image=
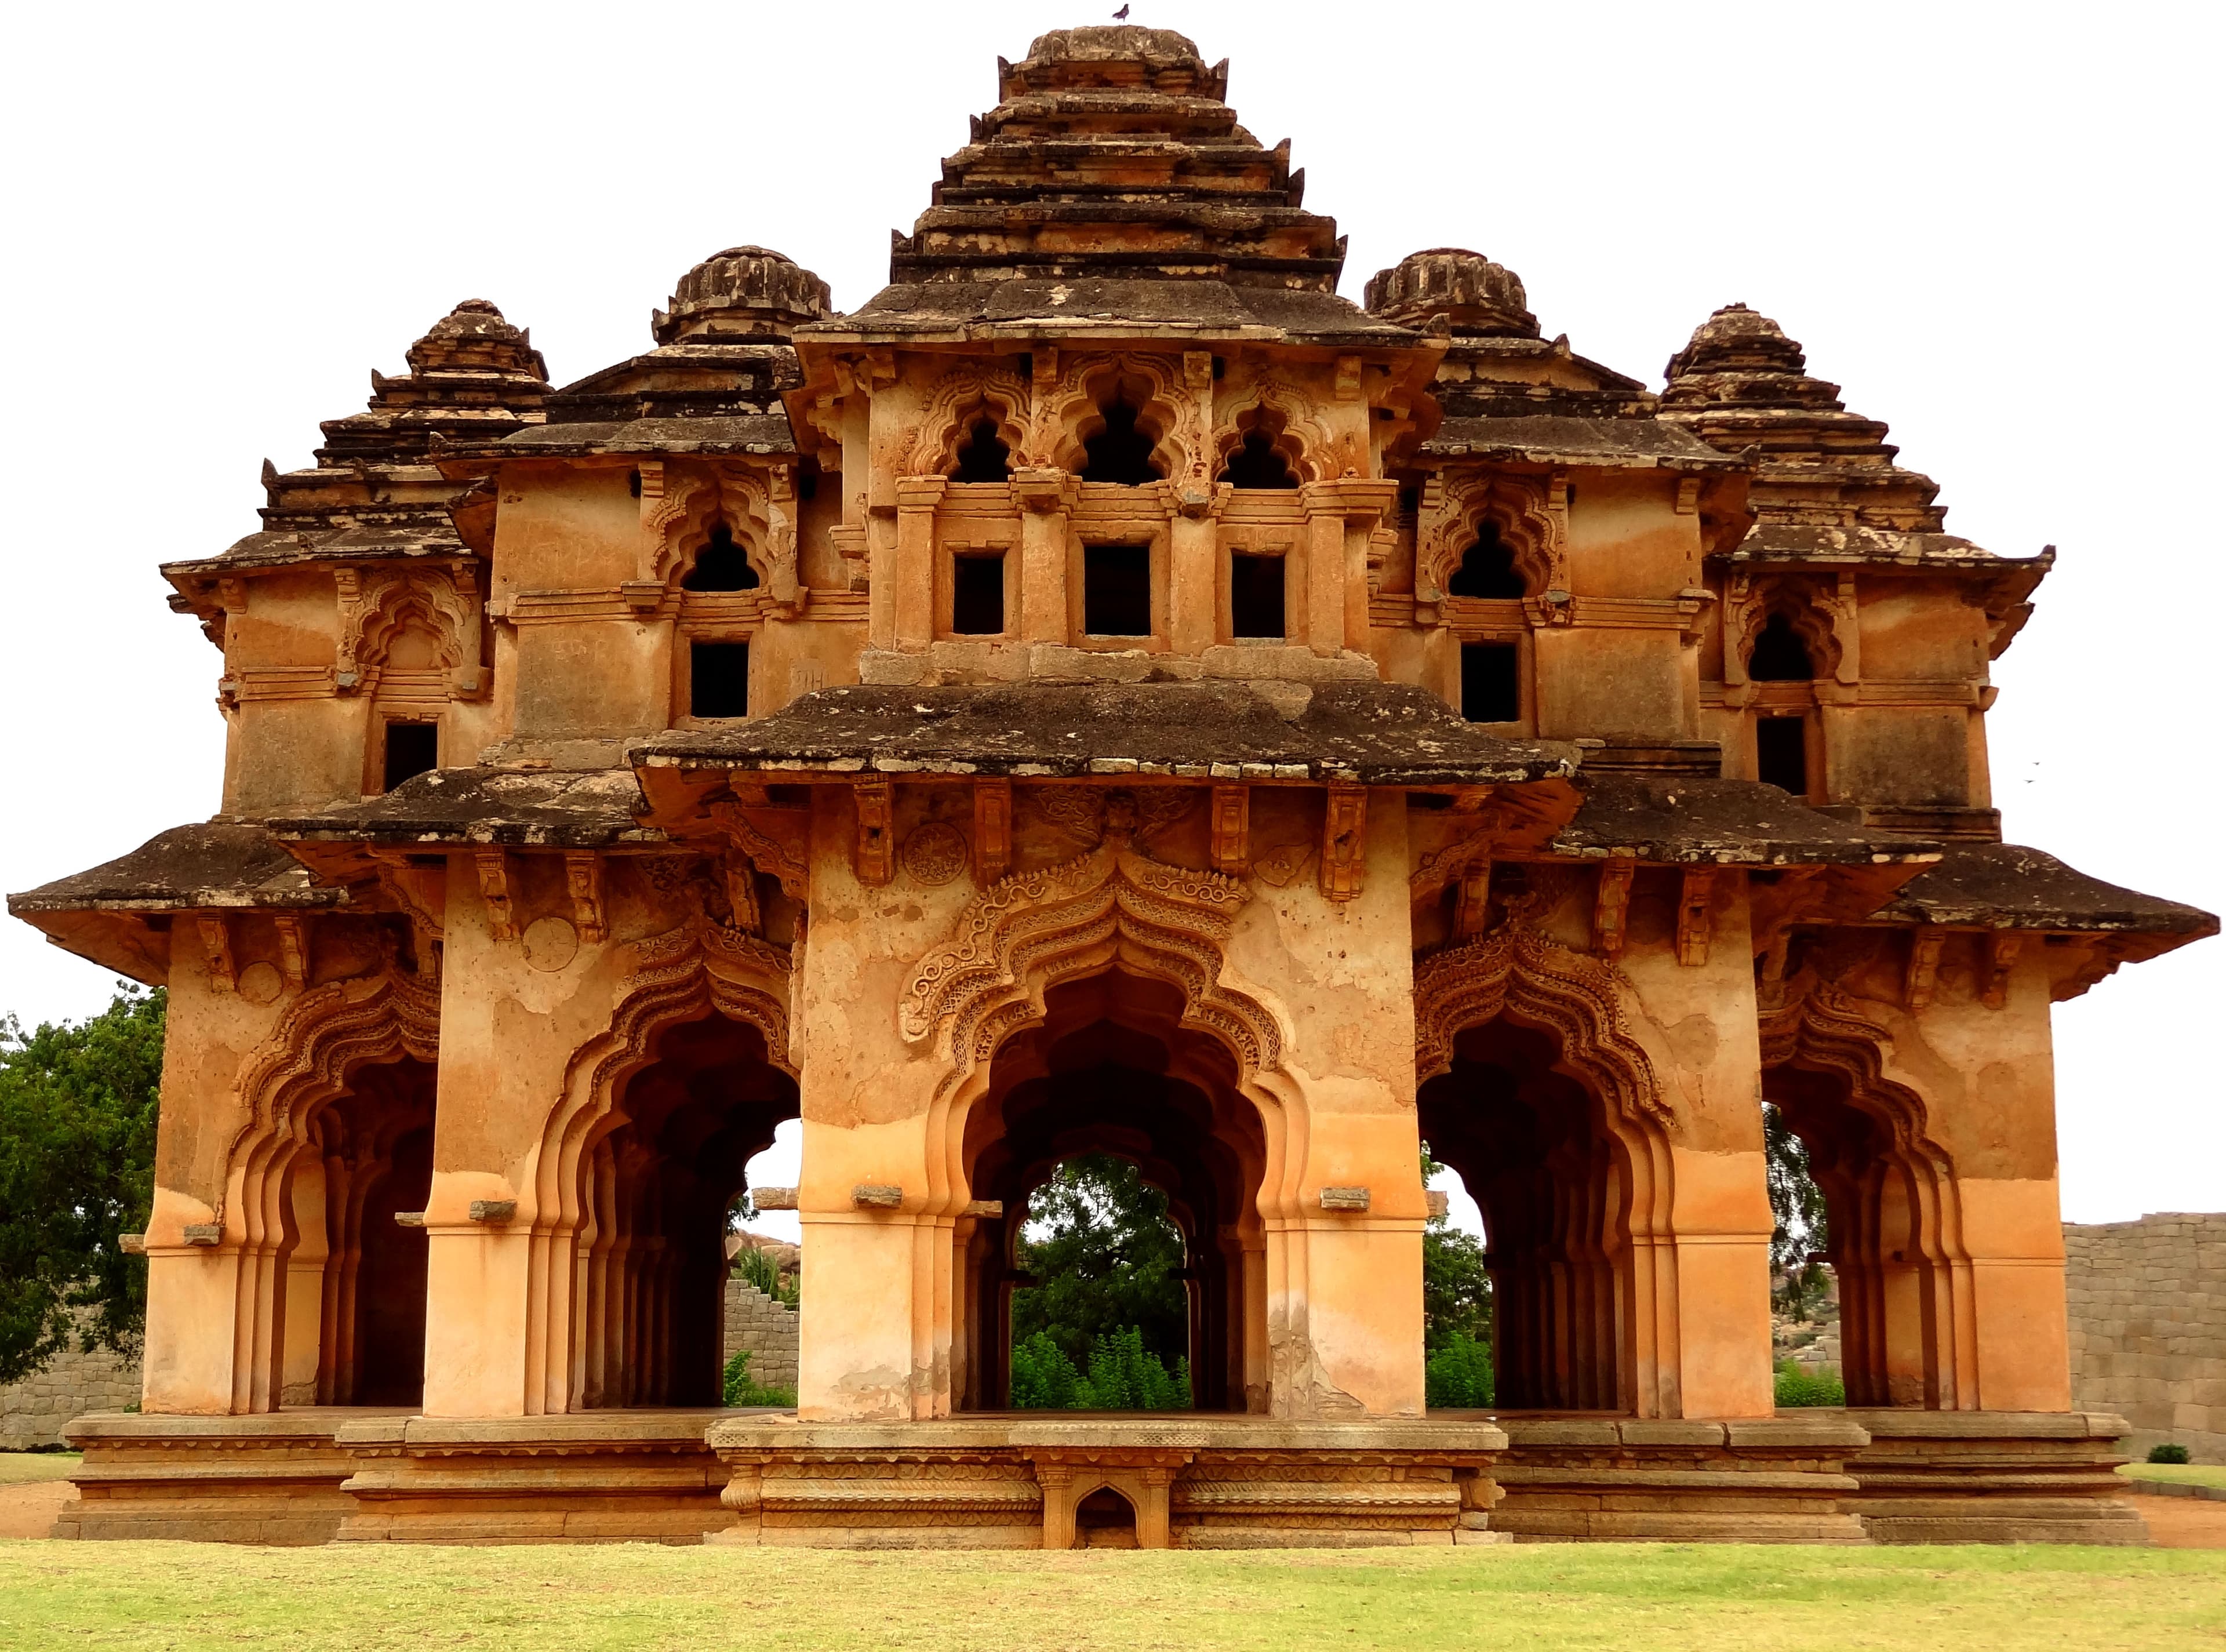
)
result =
(2148, 1328)
(766, 1328)
(33, 1411)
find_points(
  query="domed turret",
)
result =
(745, 292)
(1477, 297)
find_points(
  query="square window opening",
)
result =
(1256, 596)
(1491, 686)
(718, 679)
(1781, 753)
(977, 595)
(1117, 590)
(412, 748)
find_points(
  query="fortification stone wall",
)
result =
(2148, 1327)
(766, 1328)
(33, 1411)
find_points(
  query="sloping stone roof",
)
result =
(1694, 821)
(216, 864)
(492, 806)
(2004, 885)
(1375, 733)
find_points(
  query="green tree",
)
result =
(1106, 1257)
(1797, 1207)
(77, 1169)
(1457, 1311)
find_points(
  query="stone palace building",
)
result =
(1109, 693)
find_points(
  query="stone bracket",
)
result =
(1344, 841)
(293, 950)
(1695, 927)
(493, 868)
(1611, 906)
(583, 880)
(993, 830)
(2002, 949)
(877, 1196)
(1233, 830)
(216, 947)
(1923, 976)
(1344, 1198)
(873, 858)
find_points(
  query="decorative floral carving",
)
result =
(377, 607)
(1456, 506)
(933, 853)
(1516, 971)
(960, 399)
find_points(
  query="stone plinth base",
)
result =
(1992, 1476)
(1031, 1481)
(1574, 1479)
(275, 1478)
(634, 1476)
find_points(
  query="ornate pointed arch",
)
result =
(1455, 509)
(681, 506)
(1292, 429)
(1067, 416)
(1028, 932)
(1820, 613)
(1519, 973)
(954, 403)
(681, 975)
(376, 609)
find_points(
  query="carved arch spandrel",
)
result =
(1064, 416)
(1304, 441)
(955, 402)
(1519, 972)
(680, 976)
(376, 609)
(1455, 507)
(681, 505)
(1823, 614)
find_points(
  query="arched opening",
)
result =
(721, 565)
(982, 457)
(1779, 654)
(1105, 1519)
(1887, 1210)
(1121, 451)
(657, 1185)
(1552, 1175)
(1111, 1071)
(354, 1330)
(1257, 462)
(1487, 569)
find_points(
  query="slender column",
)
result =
(917, 498)
(1044, 497)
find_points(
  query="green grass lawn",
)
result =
(2185, 1473)
(1545, 1597)
(21, 1468)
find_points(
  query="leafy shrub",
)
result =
(741, 1391)
(1798, 1387)
(2167, 1453)
(1458, 1375)
(762, 1271)
(1123, 1376)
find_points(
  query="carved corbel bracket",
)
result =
(874, 855)
(1472, 906)
(1923, 979)
(422, 893)
(1041, 491)
(743, 912)
(1688, 495)
(1344, 841)
(492, 867)
(2002, 949)
(216, 948)
(583, 880)
(1611, 906)
(993, 831)
(293, 950)
(1233, 830)
(1695, 927)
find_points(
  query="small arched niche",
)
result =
(721, 565)
(1780, 654)
(1120, 451)
(1105, 1519)
(1487, 569)
(983, 456)
(1260, 461)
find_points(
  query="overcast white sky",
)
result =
(1996, 227)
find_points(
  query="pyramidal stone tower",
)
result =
(1108, 693)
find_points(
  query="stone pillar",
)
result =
(1193, 578)
(914, 572)
(1044, 497)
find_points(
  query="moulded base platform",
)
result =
(1039, 1480)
